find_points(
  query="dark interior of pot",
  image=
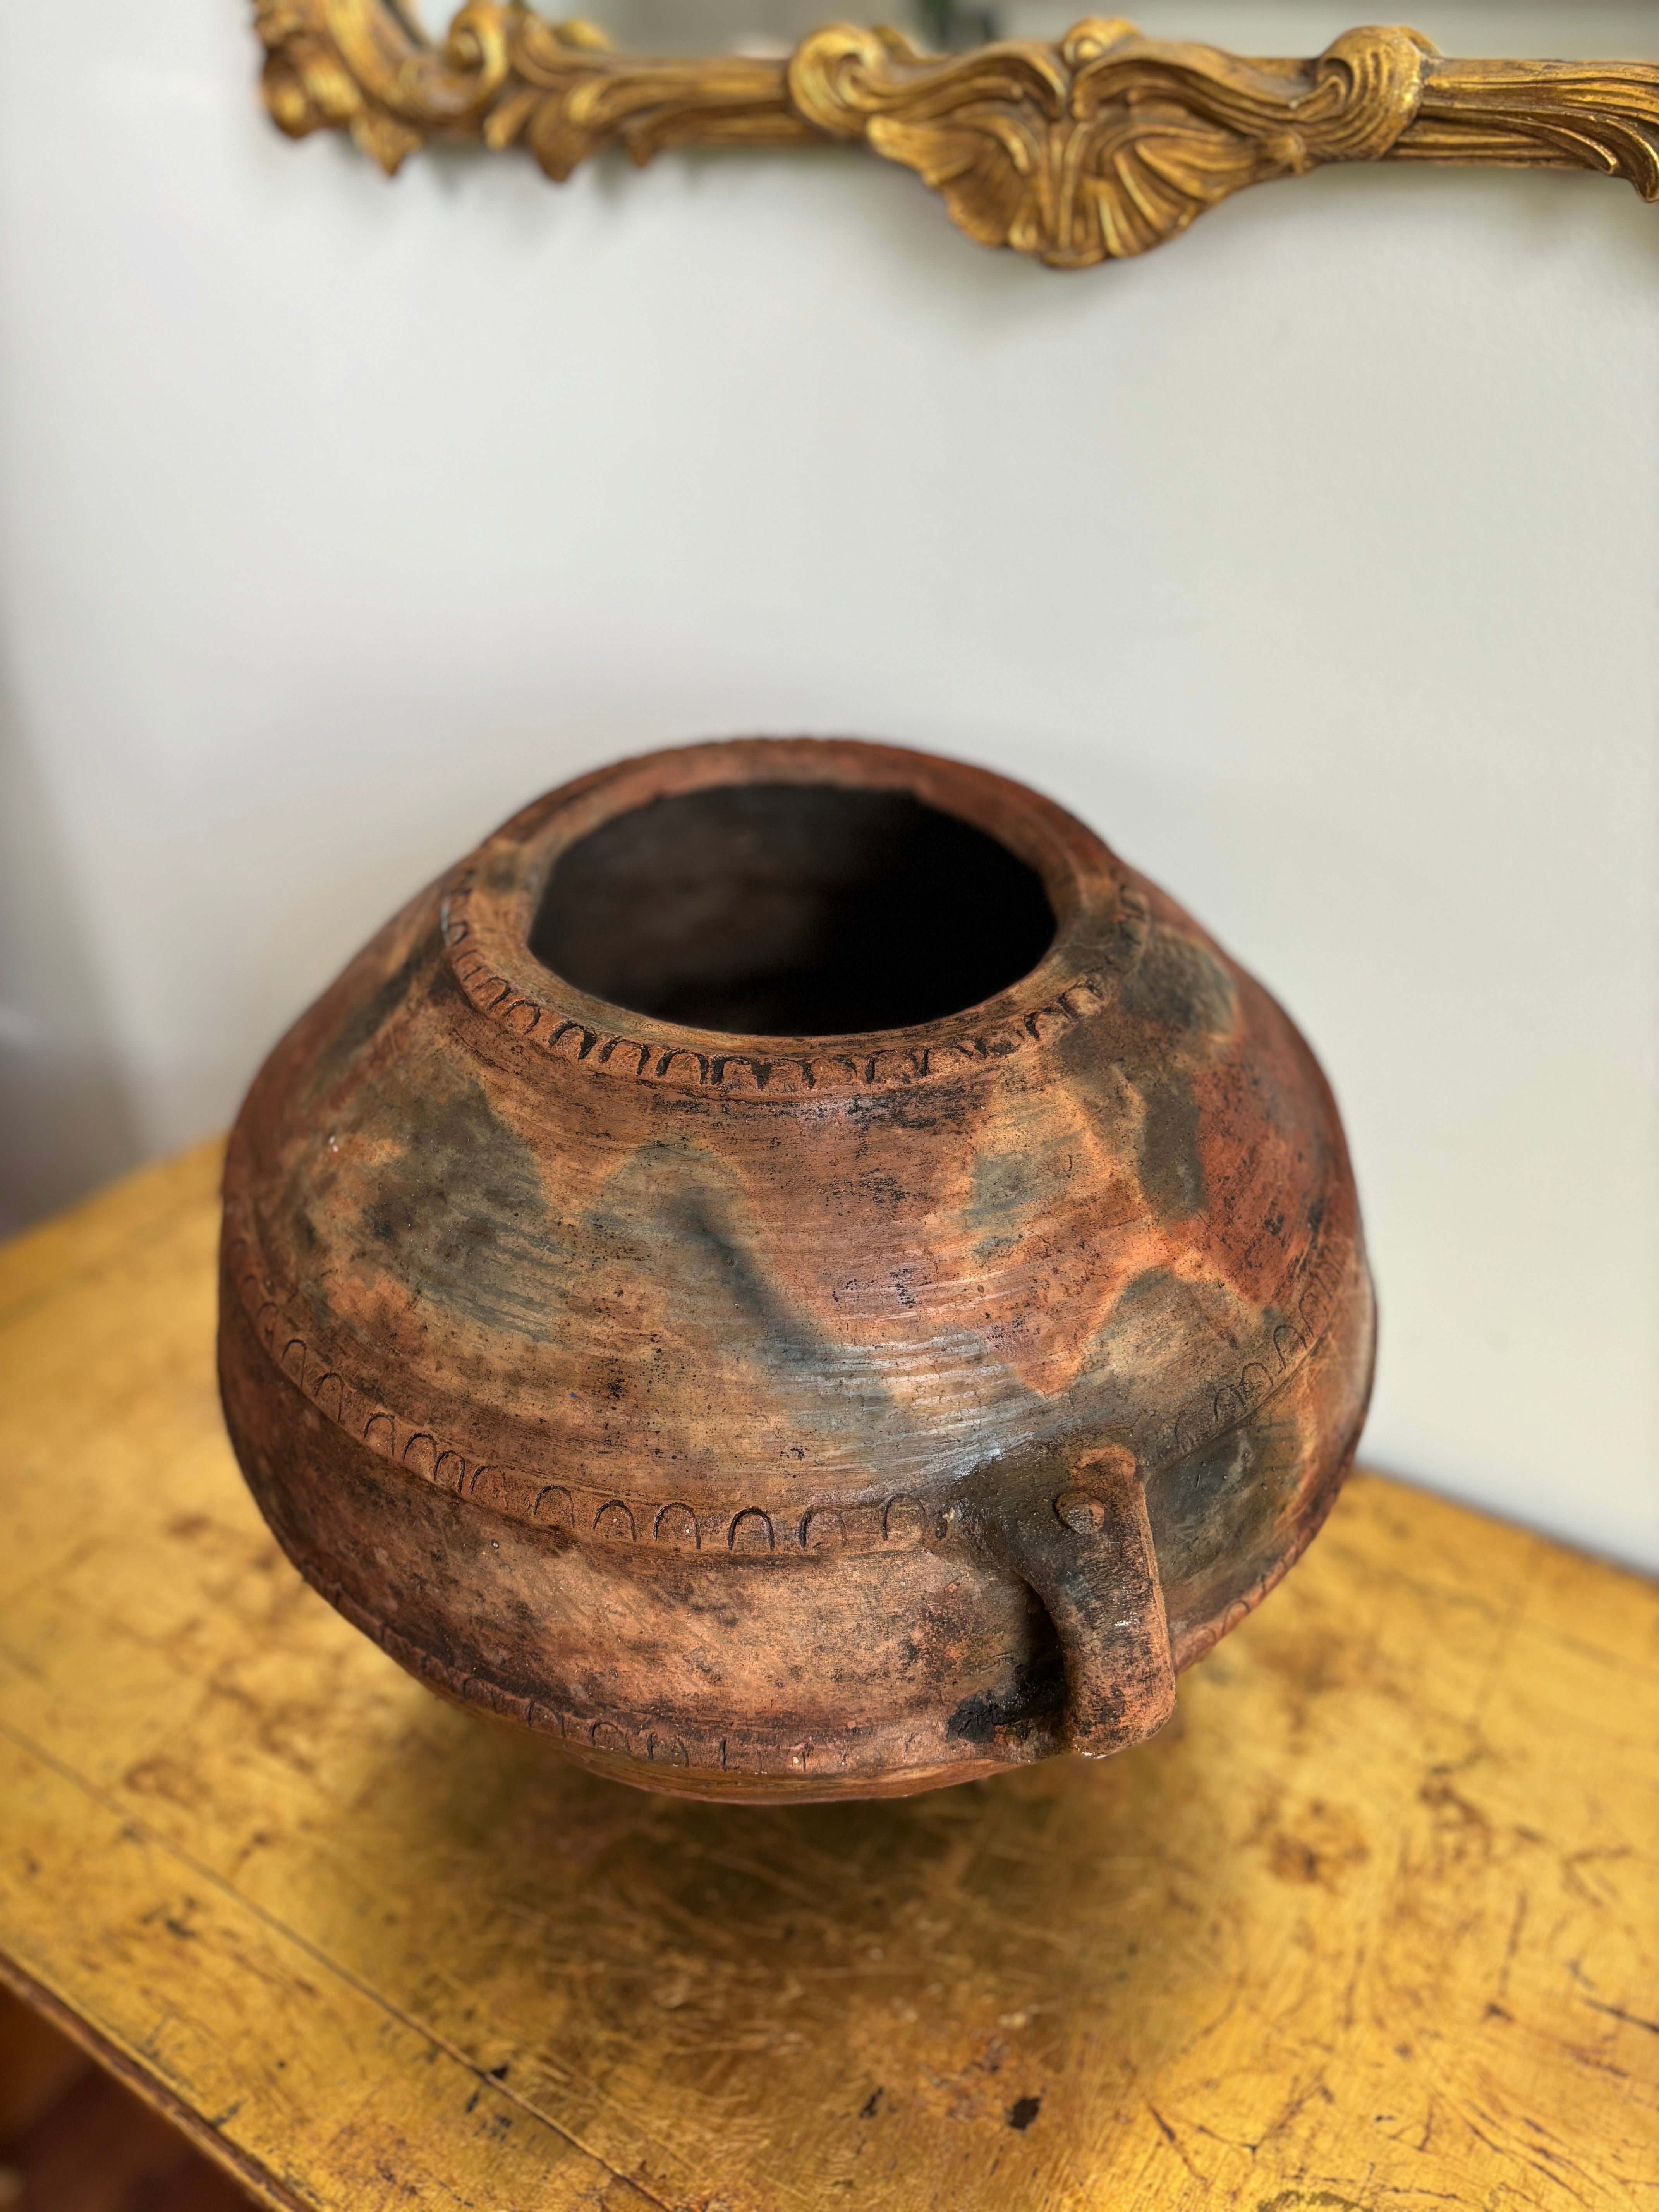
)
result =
(789, 909)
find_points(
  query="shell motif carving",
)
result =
(1094, 149)
(1107, 143)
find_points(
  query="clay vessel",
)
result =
(793, 1272)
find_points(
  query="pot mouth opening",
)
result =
(791, 910)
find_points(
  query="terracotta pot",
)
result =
(793, 1272)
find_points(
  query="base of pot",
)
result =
(713, 1786)
(716, 1786)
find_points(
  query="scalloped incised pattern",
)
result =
(605, 1515)
(663, 1059)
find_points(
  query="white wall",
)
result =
(1314, 559)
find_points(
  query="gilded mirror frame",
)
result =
(1098, 146)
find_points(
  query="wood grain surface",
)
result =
(1373, 1924)
(73, 2139)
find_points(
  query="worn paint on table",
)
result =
(1376, 1927)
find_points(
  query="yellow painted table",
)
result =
(1375, 1926)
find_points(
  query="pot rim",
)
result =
(491, 899)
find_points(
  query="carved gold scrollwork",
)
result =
(1107, 143)
(510, 77)
(1542, 115)
(1098, 147)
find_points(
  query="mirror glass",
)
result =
(1578, 27)
(775, 26)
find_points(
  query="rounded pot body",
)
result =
(757, 1410)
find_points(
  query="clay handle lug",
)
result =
(1085, 1547)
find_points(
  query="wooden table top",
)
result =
(1375, 1925)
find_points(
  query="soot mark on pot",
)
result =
(459, 1214)
(341, 1046)
(1035, 1693)
(1148, 1336)
(716, 1257)
(1017, 1180)
(666, 1215)
(1171, 1166)
(1178, 1004)
(1212, 1513)
(1182, 988)
(1200, 1507)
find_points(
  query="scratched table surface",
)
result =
(1375, 1924)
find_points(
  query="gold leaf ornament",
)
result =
(507, 75)
(337, 63)
(572, 95)
(1098, 147)
(1109, 142)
